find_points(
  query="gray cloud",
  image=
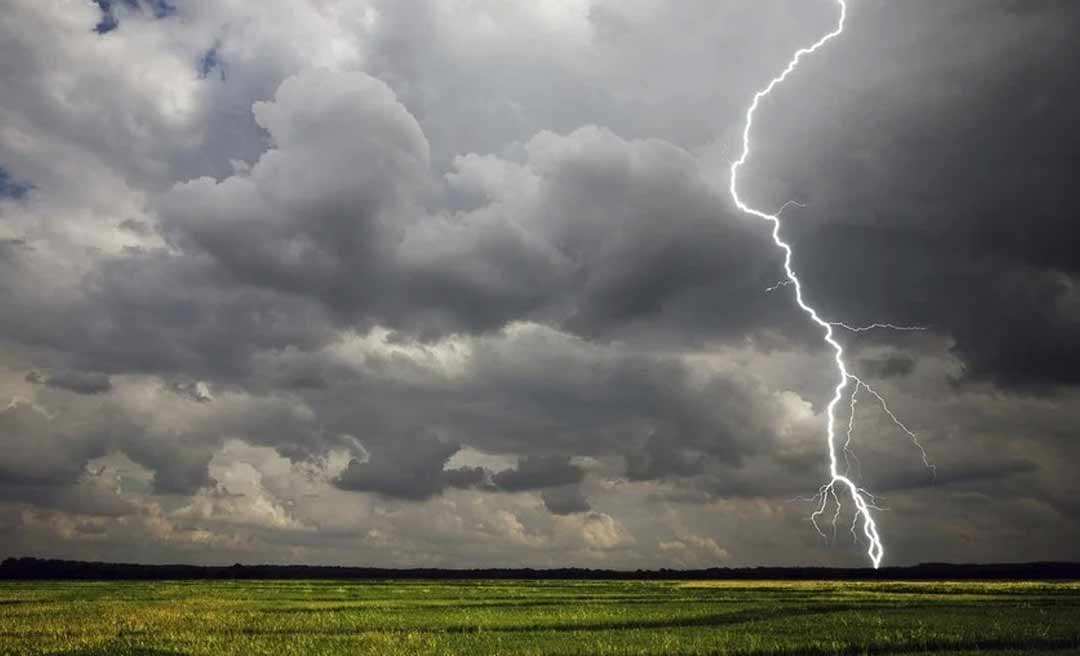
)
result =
(197, 391)
(565, 500)
(535, 472)
(658, 457)
(888, 366)
(315, 214)
(265, 307)
(38, 452)
(80, 382)
(919, 207)
(410, 469)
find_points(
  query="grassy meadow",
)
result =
(537, 617)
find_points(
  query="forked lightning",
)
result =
(863, 501)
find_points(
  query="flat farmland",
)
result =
(537, 617)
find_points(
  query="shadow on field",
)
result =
(1025, 646)
(113, 651)
(721, 619)
(1045, 645)
(494, 605)
(750, 615)
(711, 620)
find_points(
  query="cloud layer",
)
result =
(460, 284)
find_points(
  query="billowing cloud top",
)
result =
(460, 284)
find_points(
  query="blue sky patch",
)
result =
(209, 62)
(11, 188)
(109, 21)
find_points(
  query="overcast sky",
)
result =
(459, 283)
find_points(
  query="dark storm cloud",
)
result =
(603, 235)
(535, 472)
(85, 499)
(941, 194)
(191, 390)
(514, 245)
(565, 500)
(559, 394)
(42, 449)
(152, 311)
(547, 396)
(539, 393)
(307, 219)
(467, 478)
(80, 382)
(180, 463)
(594, 231)
(410, 469)
(960, 473)
(303, 223)
(37, 452)
(887, 366)
(659, 458)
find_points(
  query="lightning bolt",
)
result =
(895, 420)
(863, 501)
(782, 283)
(783, 207)
(875, 326)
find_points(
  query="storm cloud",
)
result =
(461, 284)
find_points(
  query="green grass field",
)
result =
(542, 617)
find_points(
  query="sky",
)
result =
(459, 283)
